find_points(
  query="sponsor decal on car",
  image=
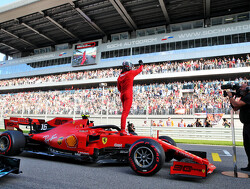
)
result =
(104, 140)
(84, 153)
(59, 142)
(123, 151)
(192, 169)
(48, 139)
(71, 141)
(117, 145)
(83, 131)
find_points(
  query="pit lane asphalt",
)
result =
(53, 172)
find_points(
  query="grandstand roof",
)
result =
(30, 24)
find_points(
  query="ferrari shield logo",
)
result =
(104, 140)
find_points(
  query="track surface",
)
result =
(53, 172)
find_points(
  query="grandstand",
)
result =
(59, 52)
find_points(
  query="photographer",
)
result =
(244, 106)
(131, 129)
(207, 122)
(198, 123)
(225, 123)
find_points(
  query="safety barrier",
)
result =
(200, 133)
(218, 134)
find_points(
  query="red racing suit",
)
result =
(125, 86)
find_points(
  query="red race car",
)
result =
(84, 58)
(81, 140)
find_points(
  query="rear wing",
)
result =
(36, 124)
(14, 122)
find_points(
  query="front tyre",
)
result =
(168, 139)
(146, 157)
(170, 153)
(12, 143)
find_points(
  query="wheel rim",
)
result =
(143, 157)
(4, 143)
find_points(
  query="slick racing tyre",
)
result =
(146, 157)
(169, 155)
(11, 143)
(168, 140)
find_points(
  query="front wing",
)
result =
(9, 165)
(191, 169)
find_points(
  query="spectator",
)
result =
(153, 68)
(182, 123)
(169, 122)
(190, 125)
(225, 123)
(145, 124)
(198, 123)
(131, 128)
(207, 122)
(153, 123)
(161, 124)
(160, 99)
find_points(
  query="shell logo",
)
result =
(71, 141)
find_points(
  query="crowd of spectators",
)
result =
(154, 99)
(153, 68)
(197, 123)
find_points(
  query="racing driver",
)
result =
(125, 86)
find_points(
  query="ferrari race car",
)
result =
(81, 140)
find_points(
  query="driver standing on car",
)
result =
(125, 86)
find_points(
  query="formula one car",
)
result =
(84, 58)
(9, 165)
(81, 140)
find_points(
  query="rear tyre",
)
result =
(146, 157)
(12, 143)
(169, 155)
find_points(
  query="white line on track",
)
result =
(225, 153)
